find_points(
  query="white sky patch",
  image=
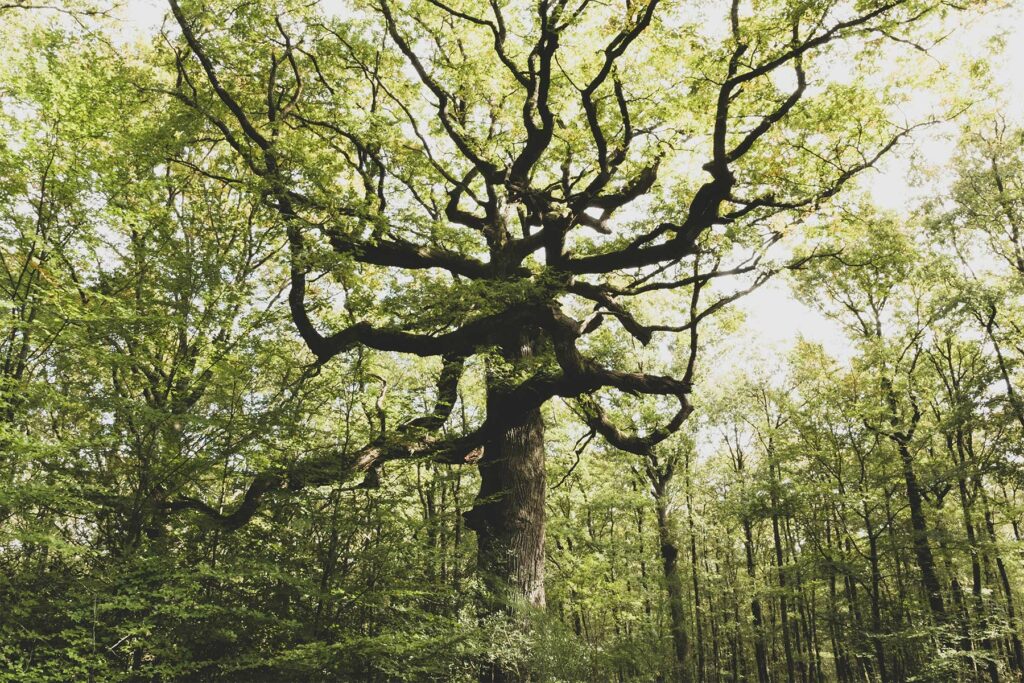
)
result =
(776, 320)
(141, 17)
(891, 185)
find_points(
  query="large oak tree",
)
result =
(476, 175)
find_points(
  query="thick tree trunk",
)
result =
(508, 516)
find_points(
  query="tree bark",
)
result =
(760, 652)
(919, 532)
(875, 595)
(1015, 647)
(674, 584)
(787, 644)
(977, 587)
(701, 673)
(842, 662)
(508, 515)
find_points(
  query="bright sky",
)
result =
(774, 317)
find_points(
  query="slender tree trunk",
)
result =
(457, 531)
(1011, 394)
(329, 565)
(738, 663)
(839, 655)
(876, 597)
(760, 652)
(756, 610)
(923, 556)
(919, 532)
(977, 586)
(787, 644)
(1016, 649)
(963, 616)
(714, 625)
(901, 660)
(850, 591)
(807, 646)
(875, 587)
(898, 561)
(697, 607)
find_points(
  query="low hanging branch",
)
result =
(411, 439)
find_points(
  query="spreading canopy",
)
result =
(513, 176)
